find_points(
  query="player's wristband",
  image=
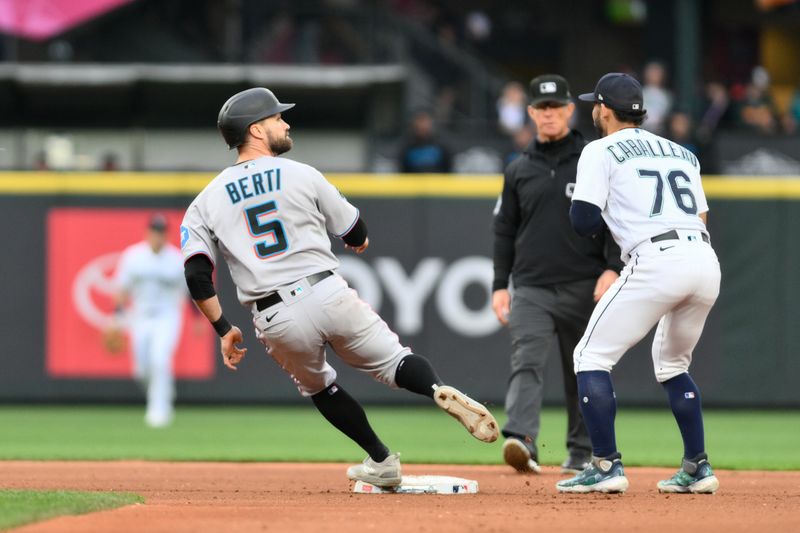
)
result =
(221, 326)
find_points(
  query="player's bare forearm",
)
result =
(210, 307)
(704, 217)
(120, 298)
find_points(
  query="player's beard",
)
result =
(601, 131)
(280, 146)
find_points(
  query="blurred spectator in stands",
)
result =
(520, 140)
(423, 152)
(340, 42)
(110, 162)
(512, 108)
(715, 113)
(478, 26)
(657, 98)
(447, 75)
(40, 161)
(277, 43)
(756, 111)
(791, 120)
(680, 130)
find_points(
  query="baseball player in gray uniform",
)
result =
(269, 218)
(648, 191)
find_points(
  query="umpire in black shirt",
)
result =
(557, 275)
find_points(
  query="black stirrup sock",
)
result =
(347, 415)
(416, 374)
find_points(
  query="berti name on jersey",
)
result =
(254, 185)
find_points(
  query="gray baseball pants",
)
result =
(297, 330)
(546, 320)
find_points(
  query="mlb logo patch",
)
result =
(688, 395)
(548, 87)
(635, 107)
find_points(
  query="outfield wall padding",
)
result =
(428, 272)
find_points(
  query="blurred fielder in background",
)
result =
(150, 283)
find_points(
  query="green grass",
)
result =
(735, 439)
(19, 507)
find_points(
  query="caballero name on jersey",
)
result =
(254, 185)
(632, 149)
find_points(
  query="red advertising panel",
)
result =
(83, 247)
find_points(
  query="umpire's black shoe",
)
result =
(575, 464)
(519, 457)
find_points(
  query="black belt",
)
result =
(672, 235)
(273, 298)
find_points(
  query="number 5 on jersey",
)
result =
(271, 230)
(684, 198)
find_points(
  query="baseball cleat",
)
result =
(472, 415)
(694, 477)
(518, 456)
(604, 474)
(383, 474)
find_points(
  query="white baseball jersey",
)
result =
(644, 184)
(154, 281)
(648, 186)
(270, 219)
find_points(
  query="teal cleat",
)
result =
(604, 474)
(694, 477)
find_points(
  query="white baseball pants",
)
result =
(154, 339)
(672, 283)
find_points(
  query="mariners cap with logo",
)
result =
(158, 222)
(617, 91)
(549, 88)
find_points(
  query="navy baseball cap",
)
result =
(549, 88)
(617, 91)
(158, 222)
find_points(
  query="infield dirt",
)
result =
(257, 497)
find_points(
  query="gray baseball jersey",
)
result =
(269, 218)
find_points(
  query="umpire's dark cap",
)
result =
(158, 222)
(618, 91)
(549, 88)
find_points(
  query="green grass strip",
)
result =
(746, 440)
(18, 507)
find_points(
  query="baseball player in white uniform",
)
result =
(269, 218)
(150, 277)
(648, 191)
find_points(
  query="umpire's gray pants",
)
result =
(546, 320)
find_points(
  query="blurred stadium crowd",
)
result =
(461, 93)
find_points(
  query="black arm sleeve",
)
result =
(197, 270)
(357, 235)
(506, 222)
